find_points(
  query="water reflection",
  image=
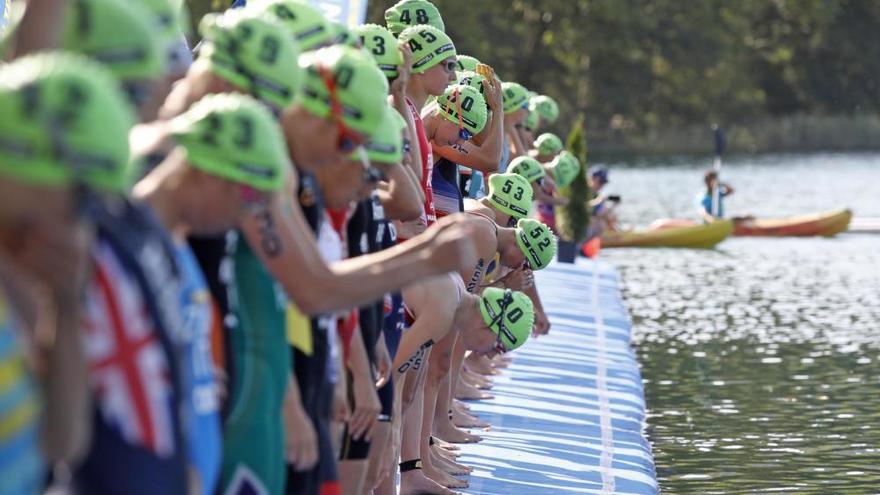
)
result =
(762, 358)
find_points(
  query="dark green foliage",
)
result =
(637, 67)
(573, 219)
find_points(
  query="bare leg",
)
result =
(352, 475)
(415, 482)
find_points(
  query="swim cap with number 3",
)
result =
(383, 46)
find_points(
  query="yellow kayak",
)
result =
(687, 236)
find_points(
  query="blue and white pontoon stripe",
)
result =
(568, 415)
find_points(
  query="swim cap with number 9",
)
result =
(511, 194)
(465, 106)
(429, 45)
(234, 137)
(408, 13)
(383, 46)
(63, 119)
(253, 52)
(509, 314)
(536, 242)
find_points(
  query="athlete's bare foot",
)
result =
(501, 361)
(444, 479)
(464, 420)
(450, 433)
(480, 364)
(416, 483)
(439, 459)
(449, 455)
(478, 381)
(464, 391)
(461, 406)
(443, 444)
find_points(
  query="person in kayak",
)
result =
(706, 202)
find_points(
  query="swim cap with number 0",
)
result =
(463, 105)
(509, 314)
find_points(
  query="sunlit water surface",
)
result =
(762, 357)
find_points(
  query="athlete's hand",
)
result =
(366, 408)
(383, 363)
(300, 439)
(452, 244)
(55, 258)
(542, 324)
(521, 279)
(398, 86)
(494, 98)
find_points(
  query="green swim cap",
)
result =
(465, 106)
(118, 33)
(383, 46)
(308, 25)
(63, 118)
(511, 194)
(474, 80)
(429, 45)
(527, 167)
(342, 35)
(531, 122)
(253, 52)
(536, 241)
(509, 314)
(408, 13)
(360, 87)
(516, 96)
(565, 168)
(168, 24)
(548, 144)
(546, 107)
(467, 63)
(234, 137)
(386, 145)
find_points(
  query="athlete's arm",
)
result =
(300, 440)
(542, 323)
(400, 195)
(366, 407)
(40, 26)
(286, 245)
(434, 301)
(484, 152)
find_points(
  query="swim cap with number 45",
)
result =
(408, 13)
(429, 45)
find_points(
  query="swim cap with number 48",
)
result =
(408, 13)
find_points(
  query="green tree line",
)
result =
(642, 66)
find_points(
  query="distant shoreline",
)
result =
(800, 133)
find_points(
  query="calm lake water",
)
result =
(761, 358)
